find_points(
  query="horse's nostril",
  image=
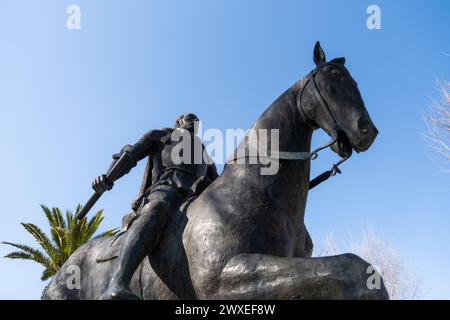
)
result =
(363, 125)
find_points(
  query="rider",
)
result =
(167, 183)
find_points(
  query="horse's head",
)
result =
(330, 99)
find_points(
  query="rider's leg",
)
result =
(141, 239)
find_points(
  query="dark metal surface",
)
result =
(244, 237)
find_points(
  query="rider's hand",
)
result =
(102, 184)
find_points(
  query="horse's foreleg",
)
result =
(256, 276)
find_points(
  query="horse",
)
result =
(244, 237)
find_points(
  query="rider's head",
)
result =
(188, 121)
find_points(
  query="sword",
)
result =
(112, 175)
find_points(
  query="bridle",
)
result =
(318, 93)
(325, 107)
(290, 155)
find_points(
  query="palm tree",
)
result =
(67, 235)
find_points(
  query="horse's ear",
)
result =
(319, 55)
(339, 60)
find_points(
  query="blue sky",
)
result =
(70, 99)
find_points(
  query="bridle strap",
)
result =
(324, 105)
(287, 155)
(319, 95)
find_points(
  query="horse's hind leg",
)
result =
(256, 276)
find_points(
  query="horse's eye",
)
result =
(335, 72)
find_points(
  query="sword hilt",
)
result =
(111, 176)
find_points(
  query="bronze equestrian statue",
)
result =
(244, 236)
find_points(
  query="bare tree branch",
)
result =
(438, 122)
(400, 283)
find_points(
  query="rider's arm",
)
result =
(147, 145)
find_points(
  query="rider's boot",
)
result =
(139, 242)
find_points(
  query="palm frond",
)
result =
(29, 253)
(78, 208)
(59, 238)
(19, 255)
(27, 249)
(47, 273)
(67, 234)
(70, 219)
(47, 213)
(43, 241)
(93, 224)
(75, 234)
(58, 218)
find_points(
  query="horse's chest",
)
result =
(267, 229)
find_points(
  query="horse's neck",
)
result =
(295, 135)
